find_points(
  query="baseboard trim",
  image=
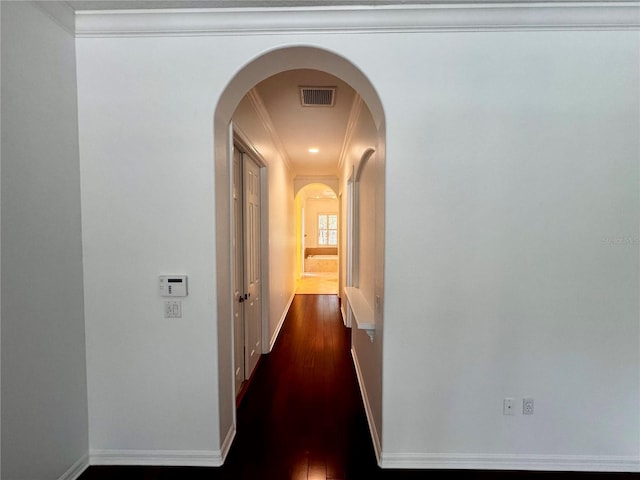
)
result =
(76, 469)
(573, 463)
(375, 438)
(164, 458)
(274, 337)
(228, 441)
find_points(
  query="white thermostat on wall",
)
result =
(173, 285)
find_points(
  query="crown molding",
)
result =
(363, 19)
(265, 119)
(60, 13)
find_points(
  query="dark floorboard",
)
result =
(302, 416)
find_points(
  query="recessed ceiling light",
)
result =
(314, 150)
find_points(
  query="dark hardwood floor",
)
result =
(302, 416)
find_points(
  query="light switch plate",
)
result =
(172, 309)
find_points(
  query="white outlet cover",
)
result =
(508, 406)
(527, 406)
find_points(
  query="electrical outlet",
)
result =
(508, 406)
(527, 406)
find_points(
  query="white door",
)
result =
(238, 282)
(253, 307)
(247, 308)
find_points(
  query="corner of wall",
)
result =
(77, 469)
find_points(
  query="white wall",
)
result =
(514, 159)
(156, 417)
(146, 149)
(44, 389)
(312, 208)
(504, 183)
(367, 352)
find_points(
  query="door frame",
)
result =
(350, 249)
(236, 136)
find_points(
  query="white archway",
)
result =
(300, 183)
(258, 69)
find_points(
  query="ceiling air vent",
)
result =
(317, 96)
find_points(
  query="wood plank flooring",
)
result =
(302, 416)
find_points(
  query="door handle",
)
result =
(241, 299)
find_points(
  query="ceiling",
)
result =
(300, 128)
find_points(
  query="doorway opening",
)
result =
(317, 234)
(278, 250)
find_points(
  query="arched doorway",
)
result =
(269, 64)
(317, 239)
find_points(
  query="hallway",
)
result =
(302, 417)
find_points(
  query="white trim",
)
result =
(183, 458)
(267, 123)
(301, 181)
(76, 469)
(274, 337)
(61, 13)
(367, 408)
(228, 441)
(350, 227)
(265, 275)
(578, 463)
(360, 19)
(238, 136)
(352, 123)
(344, 314)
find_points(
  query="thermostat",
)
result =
(173, 285)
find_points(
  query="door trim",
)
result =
(238, 137)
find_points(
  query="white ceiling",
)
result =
(300, 128)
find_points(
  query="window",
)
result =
(327, 229)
